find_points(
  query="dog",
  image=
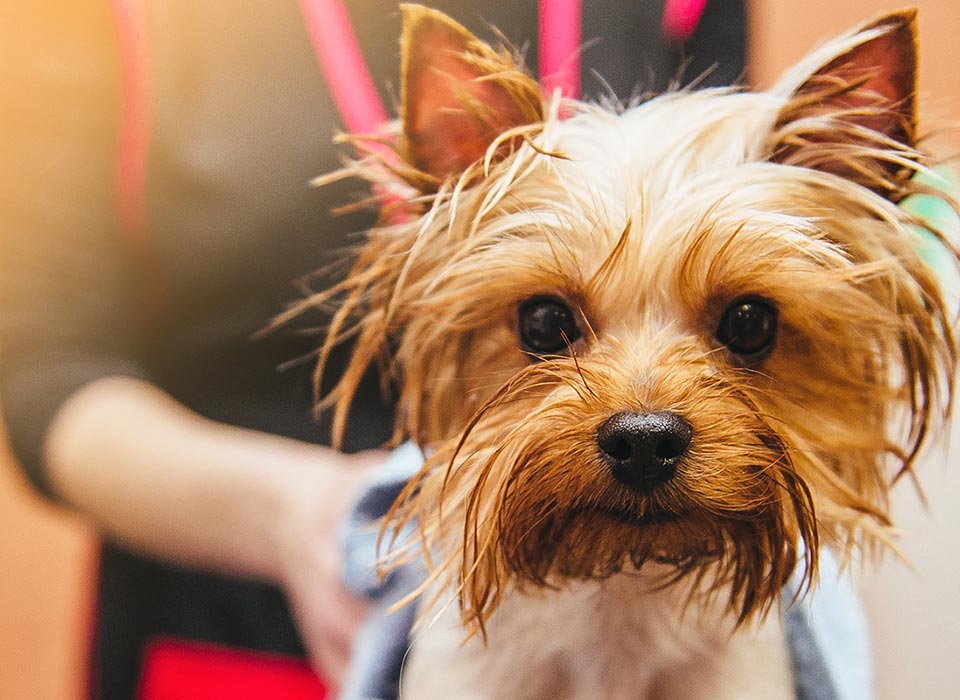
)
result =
(658, 357)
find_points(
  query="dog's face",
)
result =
(696, 332)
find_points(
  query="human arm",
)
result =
(164, 481)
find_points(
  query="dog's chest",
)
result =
(619, 640)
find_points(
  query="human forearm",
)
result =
(169, 483)
(166, 482)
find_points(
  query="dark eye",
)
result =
(748, 328)
(546, 325)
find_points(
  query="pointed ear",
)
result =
(851, 108)
(457, 95)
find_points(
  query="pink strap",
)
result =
(130, 20)
(348, 78)
(681, 17)
(344, 68)
(560, 46)
(133, 145)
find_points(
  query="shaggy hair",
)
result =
(648, 223)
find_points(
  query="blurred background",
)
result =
(47, 558)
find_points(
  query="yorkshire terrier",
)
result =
(657, 356)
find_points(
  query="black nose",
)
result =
(643, 449)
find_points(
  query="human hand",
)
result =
(328, 615)
(216, 497)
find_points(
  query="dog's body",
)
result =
(656, 357)
(617, 639)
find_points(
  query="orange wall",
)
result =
(46, 573)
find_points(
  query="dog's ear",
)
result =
(851, 107)
(458, 95)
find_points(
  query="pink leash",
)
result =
(681, 17)
(133, 145)
(559, 48)
(343, 65)
(130, 173)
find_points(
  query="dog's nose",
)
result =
(643, 449)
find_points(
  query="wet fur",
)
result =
(647, 222)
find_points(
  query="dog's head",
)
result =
(696, 331)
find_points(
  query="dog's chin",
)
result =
(662, 536)
(601, 540)
(644, 519)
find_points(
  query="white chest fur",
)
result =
(614, 640)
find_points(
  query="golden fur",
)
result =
(648, 221)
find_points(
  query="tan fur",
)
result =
(648, 223)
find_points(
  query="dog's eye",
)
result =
(546, 325)
(748, 328)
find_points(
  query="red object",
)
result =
(348, 77)
(560, 46)
(175, 669)
(681, 17)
